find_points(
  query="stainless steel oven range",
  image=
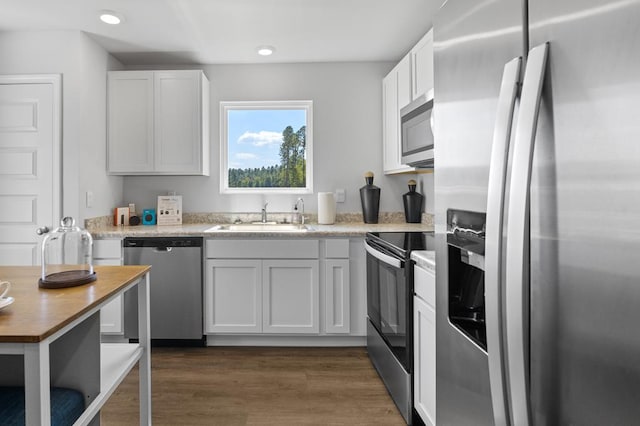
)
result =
(390, 311)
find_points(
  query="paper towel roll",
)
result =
(326, 208)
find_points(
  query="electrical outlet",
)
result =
(89, 199)
(341, 195)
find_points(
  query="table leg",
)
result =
(144, 335)
(37, 390)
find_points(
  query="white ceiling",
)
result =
(229, 31)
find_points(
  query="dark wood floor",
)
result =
(258, 386)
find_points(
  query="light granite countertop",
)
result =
(425, 259)
(199, 230)
(198, 224)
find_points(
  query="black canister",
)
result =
(412, 204)
(370, 198)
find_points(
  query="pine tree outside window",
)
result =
(266, 147)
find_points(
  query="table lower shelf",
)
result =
(116, 360)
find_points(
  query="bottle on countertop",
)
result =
(412, 204)
(370, 199)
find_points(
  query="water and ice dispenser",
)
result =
(465, 245)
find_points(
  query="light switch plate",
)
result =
(341, 195)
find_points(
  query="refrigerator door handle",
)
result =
(517, 253)
(493, 249)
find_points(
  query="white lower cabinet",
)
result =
(291, 294)
(109, 252)
(424, 345)
(277, 287)
(337, 317)
(233, 294)
(425, 360)
(261, 296)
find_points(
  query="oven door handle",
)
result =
(391, 261)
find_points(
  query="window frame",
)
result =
(226, 106)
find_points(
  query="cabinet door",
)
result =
(422, 65)
(130, 122)
(404, 82)
(178, 122)
(291, 296)
(391, 126)
(424, 335)
(111, 313)
(233, 296)
(337, 300)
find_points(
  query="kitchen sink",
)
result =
(259, 227)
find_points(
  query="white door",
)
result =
(29, 164)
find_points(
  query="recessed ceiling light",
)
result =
(266, 50)
(110, 17)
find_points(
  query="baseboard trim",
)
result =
(301, 341)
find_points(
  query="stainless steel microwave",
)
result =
(416, 124)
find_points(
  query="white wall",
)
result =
(347, 139)
(347, 127)
(107, 190)
(83, 65)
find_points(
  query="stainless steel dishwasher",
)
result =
(175, 290)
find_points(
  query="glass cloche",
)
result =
(67, 255)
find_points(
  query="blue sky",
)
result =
(255, 135)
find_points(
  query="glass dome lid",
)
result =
(67, 255)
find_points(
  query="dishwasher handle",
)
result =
(162, 249)
(162, 243)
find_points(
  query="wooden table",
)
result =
(52, 338)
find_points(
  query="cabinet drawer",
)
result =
(262, 249)
(425, 285)
(337, 249)
(107, 249)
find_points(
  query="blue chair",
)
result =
(67, 406)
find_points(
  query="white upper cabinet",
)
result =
(409, 79)
(391, 122)
(404, 82)
(158, 123)
(422, 66)
(130, 121)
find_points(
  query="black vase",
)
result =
(370, 199)
(412, 204)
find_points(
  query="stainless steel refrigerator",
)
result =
(537, 163)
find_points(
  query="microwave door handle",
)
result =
(517, 258)
(493, 251)
(391, 261)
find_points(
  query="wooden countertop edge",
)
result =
(39, 338)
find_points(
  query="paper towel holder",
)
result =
(326, 208)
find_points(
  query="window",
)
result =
(266, 147)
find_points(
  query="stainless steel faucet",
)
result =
(264, 213)
(300, 200)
